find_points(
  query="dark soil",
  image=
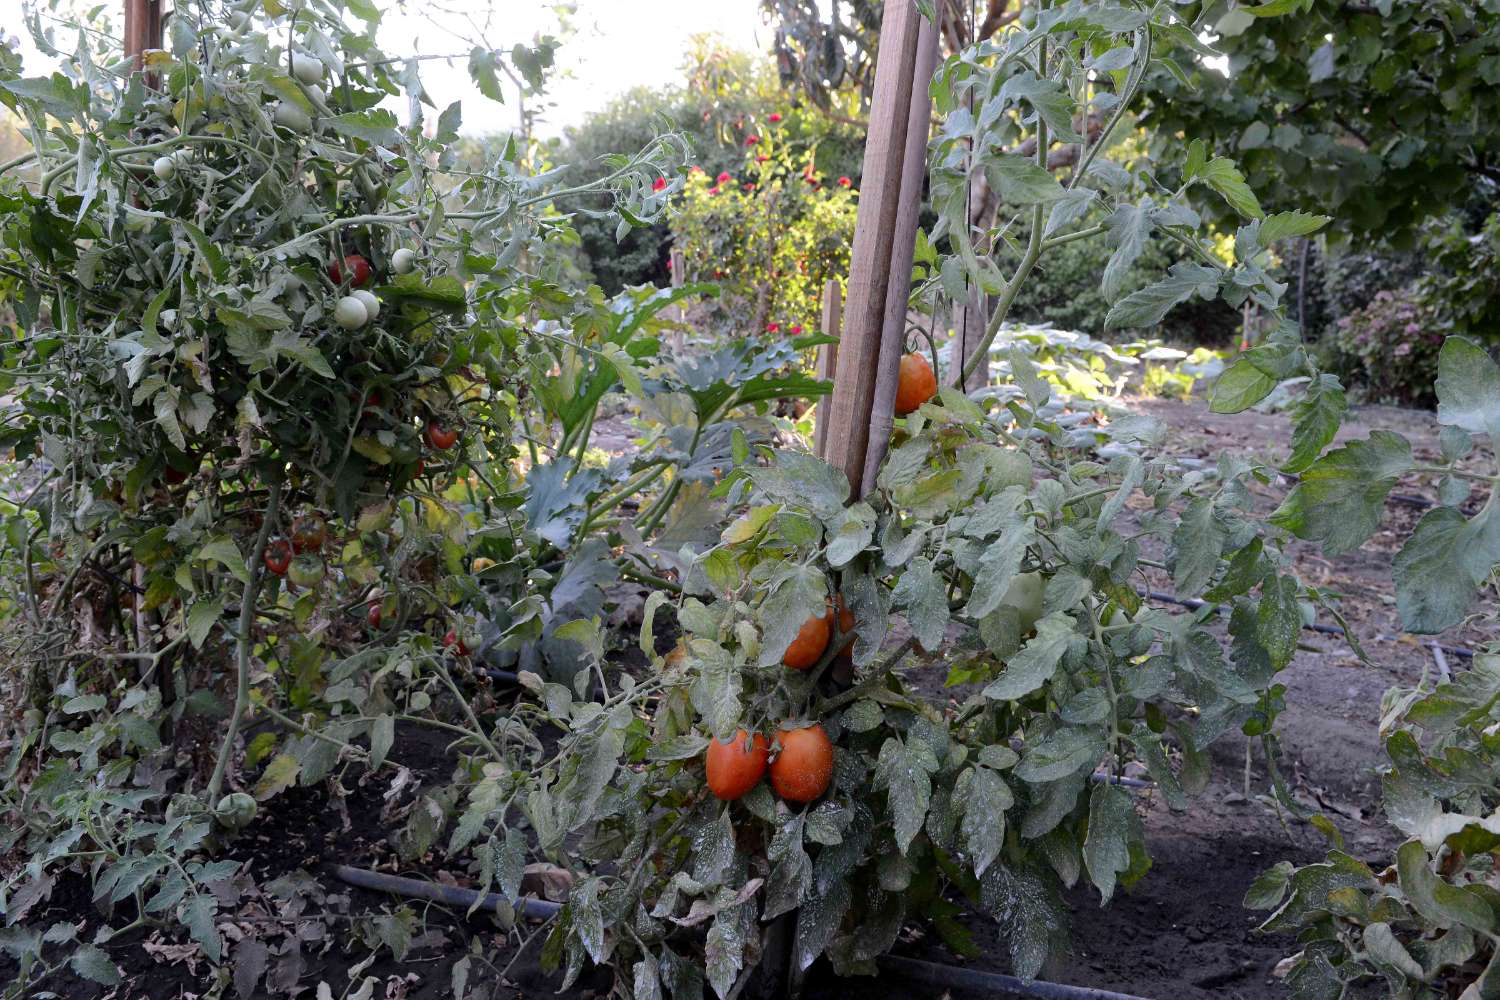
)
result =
(1180, 933)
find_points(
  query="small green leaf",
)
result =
(201, 619)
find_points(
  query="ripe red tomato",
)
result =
(354, 267)
(453, 642)
(733, 768)
(278, 557)
(917, 384)
(812, 639)
(309, 532)
(441, 437)
(374, 616)
(803, 769)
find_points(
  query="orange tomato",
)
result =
(807, 648)
(803, 769)
(917, 384)
(736, 767)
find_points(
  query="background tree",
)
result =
(1383, 115)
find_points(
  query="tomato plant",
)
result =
(1423, 925)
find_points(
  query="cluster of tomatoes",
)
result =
(299, 556)
(804, 766)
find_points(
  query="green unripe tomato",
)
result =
(369, 301)
(235, 810)
(307, 69)
(1026, 594)
(288, 115)
(404, 260)
(306, 570)
(350, 313)
(165, 168)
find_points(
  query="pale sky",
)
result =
(616, 45)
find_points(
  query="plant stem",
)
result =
(256, 567)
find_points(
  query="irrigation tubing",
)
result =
(1194, 604)
(988, 983)
(452, 895)
(991, 983)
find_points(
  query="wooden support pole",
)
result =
(903, 247)
(853, 398)
(828, 361)
(142, 29)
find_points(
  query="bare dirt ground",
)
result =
(1181, 933)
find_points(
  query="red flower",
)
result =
(751, 140)
(749, 186)
(774, 117)
(669, 263)
(722, 178)
(845, 182)
(714, 189)
(772, 327)
(660, 184)
(695, 169)
(795, 330)
(762, 158)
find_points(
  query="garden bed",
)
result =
(1181, 932)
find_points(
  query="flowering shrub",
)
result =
(1391, 347)
(770, 234)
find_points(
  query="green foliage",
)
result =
(1381, 114)
(1421, 927)
(1086, 370)
(1462, 285)
(725, 97)
(1341, 496)
(1065, 293)
(770, 234)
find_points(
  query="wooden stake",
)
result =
(828, 361)
(853, 399)
(903, 247)
(142, 29)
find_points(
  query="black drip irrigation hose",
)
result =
(988, 983)
(452, 895)
(1194, 604)
(991, 983)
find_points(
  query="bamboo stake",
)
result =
(853, 398)
(903, 247)
(828, 361)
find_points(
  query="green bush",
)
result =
(771, 235)
(726, 97)
(1390, 347)
(1463, 287)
